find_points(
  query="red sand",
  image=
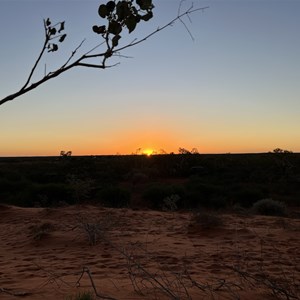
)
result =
(46, 264)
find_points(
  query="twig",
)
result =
(88, 272)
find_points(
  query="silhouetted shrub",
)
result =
(16, 192)
(246, 196)
(205, 220)
(200, 194)
(81, 188)
(114, 196)
(51, 194)
(269, 207)
(170, 203)
(155, 194)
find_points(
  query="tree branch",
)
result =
(50, 34)
(47, 38)
(186, 13)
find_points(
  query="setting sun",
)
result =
(148, 152)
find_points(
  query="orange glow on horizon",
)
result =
(146, 141)
(148, 152)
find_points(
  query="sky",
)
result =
(233, 88)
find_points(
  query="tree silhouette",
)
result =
(118, 16)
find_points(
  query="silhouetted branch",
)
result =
(52, 33)
(186, 13)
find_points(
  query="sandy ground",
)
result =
(162, 254)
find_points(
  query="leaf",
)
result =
(62, 26)
(145, 4)
(138, 18)
(95, 28)
(52, 47)
(122, 10)
(114, 27)
(134, 10)
(131, 23)
(99, 29)
(102, 11)
(48, 22)
(62, 38)
(110, 6)
(52, 31)
(147, 16)
(115, 40)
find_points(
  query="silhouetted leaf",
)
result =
(122, 10)
(95, 28)
(134, 10)
(138, 18)
(52, 47)
(99, 29)
(62, 26)
(62, 38)
(115, 40)
(147, 16)
(102, 11)
(110, 6)
(145, 4)
(114, 27)
(52, 31)
(48, 22)
(131, 23)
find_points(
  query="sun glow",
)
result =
(148, 152)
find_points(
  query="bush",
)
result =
(246, 196)
(269, 207)
(82, 296)
(113, 196)
(41, 230)
(200, 194)
(155, 194)
(205, 220)
(51, 194)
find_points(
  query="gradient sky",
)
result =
(235, 88)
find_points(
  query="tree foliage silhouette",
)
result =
(118, 16)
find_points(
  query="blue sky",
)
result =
(235, 88)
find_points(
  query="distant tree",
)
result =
(195, 151)
(185, 151)
(65, 154)
(278, 150)
(118, 15)
(138, 151)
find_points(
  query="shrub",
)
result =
(96, 229)
(205, 220)
(51, 194)
(269, 207)
(82, 296)
(205, 195)
(41, 230)
(246, 196)
(170, 203)
(81, 188)
(113, 196)
(155, 194)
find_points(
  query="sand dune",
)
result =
(44, 250)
